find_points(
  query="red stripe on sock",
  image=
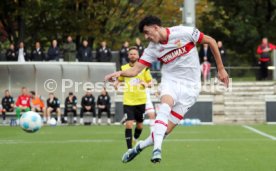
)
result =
(152, 136)
(161, 122)
(177, 115)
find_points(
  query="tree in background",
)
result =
(95, 20)
(239, 24)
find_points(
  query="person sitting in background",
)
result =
(37, 103)
(11, 53)
(104, 105)
(22, 103)
(37, 53)
(264, 51)
(7, 105)
(69, 49)
(205, 69)
(124, 53)
(21, 53)
(53, 52)
(103, 53)
(87, 105)
(85, 53)
(70, 105)
(53, 105)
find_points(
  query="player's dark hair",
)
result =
(149, 21)
(71, 93)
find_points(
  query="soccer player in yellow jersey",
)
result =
(135, 97)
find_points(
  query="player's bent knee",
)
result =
(139, 125)
(129, 124)
(167, 99)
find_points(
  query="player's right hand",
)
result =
(223, 77)
(113, 76)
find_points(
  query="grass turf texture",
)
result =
(81, 148)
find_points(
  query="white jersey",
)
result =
(178, 55)
(180, 70)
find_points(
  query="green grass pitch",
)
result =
(100, 148)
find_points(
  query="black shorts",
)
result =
(8, 109)
(135, 112)
(54, 109)
(38, 110)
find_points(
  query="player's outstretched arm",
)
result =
(131, 72)
(222, 74)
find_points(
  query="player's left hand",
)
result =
(223, 77)
(113, 76)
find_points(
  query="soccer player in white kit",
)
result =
(180, 85)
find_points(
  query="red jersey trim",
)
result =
(177, 115)
(200, 37)
(167, 39)
(144, 62)
(173, 54)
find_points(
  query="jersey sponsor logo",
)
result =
(178, 43)
(172, 55)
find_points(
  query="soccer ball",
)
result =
(30, 122)
(52, 122)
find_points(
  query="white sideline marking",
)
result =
(113, 140)
(260, 132)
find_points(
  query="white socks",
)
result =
(151, 125)
(160, 126)
(81, 120)
(58, 118)
(147, 142)
(94, 120)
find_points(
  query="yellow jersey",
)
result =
(134, 91)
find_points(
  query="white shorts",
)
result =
(184, 97)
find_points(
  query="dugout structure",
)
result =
(65, 76)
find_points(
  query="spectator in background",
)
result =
(88, 105)
(37, 53)
(22, 54)
(104, 53)
(53, 105)
(22, 103)
(37, 103)
(53, 52)
(205, 51)
(205, 69)
(223, 54)
(139, 46)
(85, 53)
(11, 53)
(7, 105)
(70, 105)
(69, 50)
(104, 105)
(124, 53)
(264, 50)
